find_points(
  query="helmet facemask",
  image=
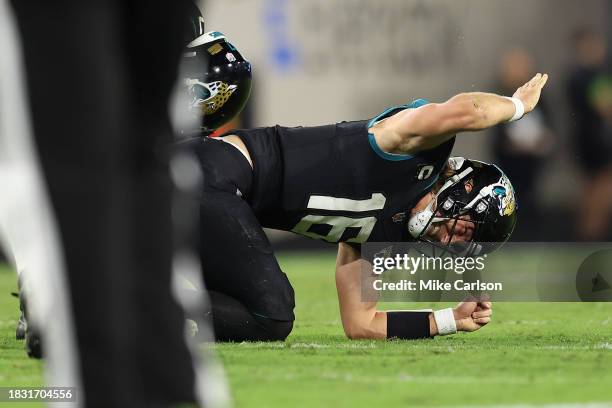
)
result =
(479, 193)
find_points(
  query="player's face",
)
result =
(447, 231)
(451, 231)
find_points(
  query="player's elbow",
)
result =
(360, 330)
(355, 332)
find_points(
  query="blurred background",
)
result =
(322, 61)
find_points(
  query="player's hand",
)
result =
(529, 93)
(471, 316)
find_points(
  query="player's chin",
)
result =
(461, 239)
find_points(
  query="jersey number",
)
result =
(425, 172)
(340, 223)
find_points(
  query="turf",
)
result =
(16, 369)
(532, 354)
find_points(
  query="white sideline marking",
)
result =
(408, 378)
(600, 346)
(309, 345)
(432, 347)
(560, 405)
(529, 322)
(606, 346)
(265, 345)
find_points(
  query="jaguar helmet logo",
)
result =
(504, 192)
(208, 98)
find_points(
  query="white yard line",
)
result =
(561, 405)
(441, 346)
(263, 345)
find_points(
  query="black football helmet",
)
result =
(477, 191)
(217, 80)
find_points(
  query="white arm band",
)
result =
(519, 109)
(445, 320)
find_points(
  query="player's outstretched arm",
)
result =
(361, 320)
(413, 130)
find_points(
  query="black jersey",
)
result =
(334, 183)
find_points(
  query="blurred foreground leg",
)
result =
(27, 226)
(99, 76)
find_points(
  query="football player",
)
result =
(385, 179)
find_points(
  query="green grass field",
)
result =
(531, 354)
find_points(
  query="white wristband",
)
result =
(445, 320)
(519, 109)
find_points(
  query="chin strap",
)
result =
(419, 222)
(484, 192)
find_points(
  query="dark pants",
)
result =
(251, 297)
(99, 75)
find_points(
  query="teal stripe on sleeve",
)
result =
(380, 152)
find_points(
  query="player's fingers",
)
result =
(537, 80)
(485, 304)
(543, 80)
(482, 313)
(469, 299)
(482, 320)
(484, 298)
(528, 83)
(534, 80)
